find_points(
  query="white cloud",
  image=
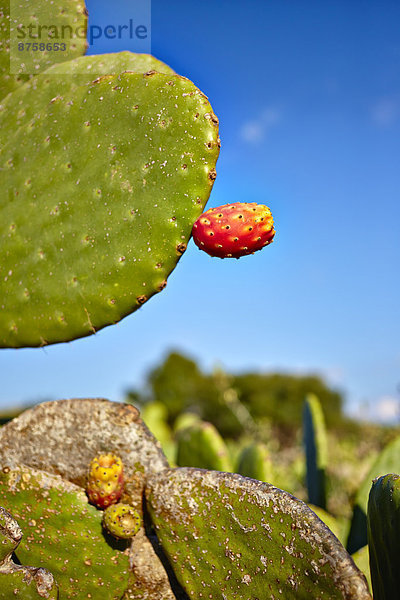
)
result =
(386, 111)
(384, 409)
(255, 130)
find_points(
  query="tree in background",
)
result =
(234, 403)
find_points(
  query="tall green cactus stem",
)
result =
(113, 176)
(235, 538)
(386, 462)
(254, 461)
(384, 536)
(316, 450)
(26, 583)
(200, 445)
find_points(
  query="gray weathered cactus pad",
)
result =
(229, 537)
(99, 194)
(62, 437)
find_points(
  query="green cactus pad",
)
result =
(27, 583)
(229, 537)
(386, 462)
(72, 12)
(338, 526)
(67, 20)
(384, 536)
(63, 533)
(100, 192)
(80, 71)
(44, 87)
(316, 448)
(8, 82)
(254, 461)
(200, 445)
(107, 64)
(18, 581)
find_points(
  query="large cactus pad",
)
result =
(100, 190)
(229, 537)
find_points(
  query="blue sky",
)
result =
(308, 97)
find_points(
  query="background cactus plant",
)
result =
(254, 461)
(201, 445)
(384, 535)
(386, 462)
(316, 450)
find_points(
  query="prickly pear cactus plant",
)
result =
(254, 461)
(202, 532)
(51, 509)
(235, 538)
(386, 462)
(114, 173)
(44, 458)
(316, 449)
(384, 536)
(201, 445)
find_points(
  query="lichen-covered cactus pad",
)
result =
(63, 533)
(19, 581)
(232, 538)
(100, 190)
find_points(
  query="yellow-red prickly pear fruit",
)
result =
(122, 521)
(234, 230)
(105, 481)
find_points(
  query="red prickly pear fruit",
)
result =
(234, 230)
(105, 481)
(121, 520)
